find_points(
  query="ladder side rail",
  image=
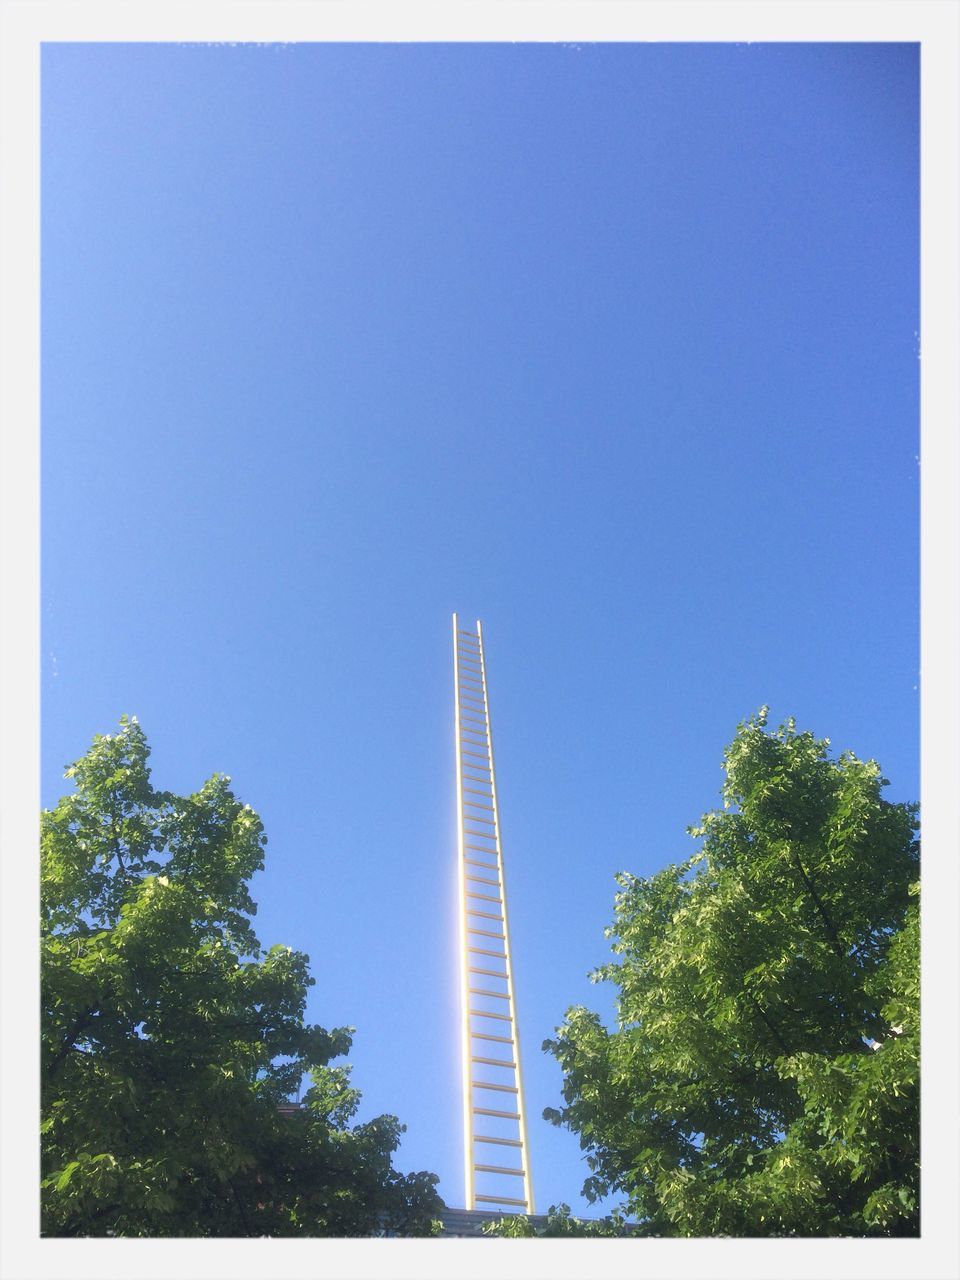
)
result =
(521, 1105)
(468, 1154)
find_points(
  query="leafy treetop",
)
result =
(763, 1075)
(169, 1037)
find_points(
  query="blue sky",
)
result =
(614, 347)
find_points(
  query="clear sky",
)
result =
(613, 347)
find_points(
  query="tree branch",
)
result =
(828, 923)
(243, 1212)
(774, 1030)
(78, 1225)
(116, 850)
(772, 1026)
(69, 1041)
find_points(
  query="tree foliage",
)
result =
(559, 1221)
(169, 1037)
(763, 1076)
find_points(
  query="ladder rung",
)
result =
(499, 1168)
(482, 880)
(487, 866)
(472, 634)
(485, 1035)
(475, 791)
(470, 662)
(482, 991)
(485, 933)
(500, 1142)
(486, 915)
(484, 897)
(500, 1200)
(472, 817)
(497, 1088)
(475, 804)
(479, 755)
(490, 973)
(494, 1062)
(504, 1115)
(472, 698)
(485, 1013)
(482, 951)
(478, 848)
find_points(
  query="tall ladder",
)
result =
(494, 1116)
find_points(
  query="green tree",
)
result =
(763, 1076)
(559, 1221)
(169, 1037)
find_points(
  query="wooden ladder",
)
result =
(489, 1011)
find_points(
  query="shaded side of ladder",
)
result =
(493, 1105)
